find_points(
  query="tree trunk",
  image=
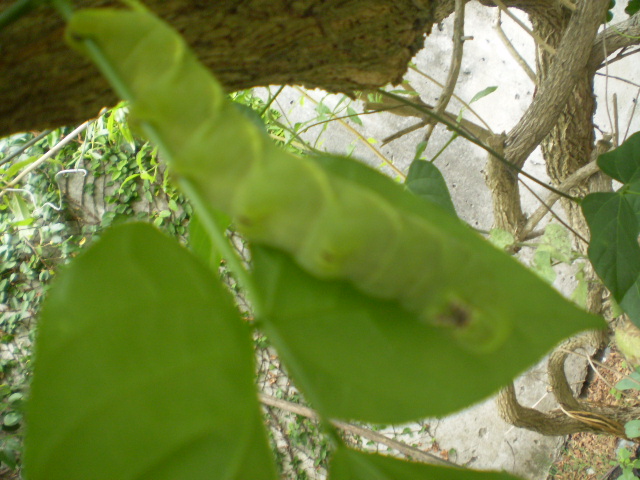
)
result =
(331, 44)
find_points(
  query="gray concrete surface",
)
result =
(477, 437)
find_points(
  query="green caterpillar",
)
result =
(337, 218)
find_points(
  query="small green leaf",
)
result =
(623, 163)
(631, 382)
(16, 167)
(632, 428)
(542, 266)
(425, 180)
(557, 242)
(579, 294)
(420, 148)
(483, 93)
(353, 115)
(12, 419)
(501, 238)
(633, 7)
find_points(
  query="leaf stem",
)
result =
(213, 229)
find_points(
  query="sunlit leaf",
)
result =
(623, 163)
(356, 357)
(614, 250)
(143, 370)
(425, 180)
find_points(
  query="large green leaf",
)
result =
(614, 250)
(366, 359)
(143, 371)
(425, 180)
(348, 464)
(623, 163)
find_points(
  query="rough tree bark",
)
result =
(331, 44)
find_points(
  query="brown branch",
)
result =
(539, 41)
(403, 110)
(505, 192)
(568, 66)
(573, 180)
(620, 35)
(573, 416)
(401, 447)
(454, 68)
(514, 53)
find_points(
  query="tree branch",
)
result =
(570, 60)
(620, 35)
(401, 447)
(454, 68)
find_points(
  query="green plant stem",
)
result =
(199, 204)
(271, 100)
(219, 239)
(16, 10)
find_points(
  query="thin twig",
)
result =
(52, 151)
(464, 103)
(522, 25)
(376, 152)
(514, 53)
(24, 146)
(619, 78)
(633, 111)
(476, 141)
(572, 180)
(401, 447)
(616, 125)
(454, 68)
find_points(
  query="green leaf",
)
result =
(200, 242)
(542, 266)
(143, 370)
(16, 167)
(353, 115)
(12, 419)
(420, 148)
(501, 238)
(348, 464)
(623, 163)
(356, 357)
(633, 7)
(631, 382)
(632, 428)
(425, 180)
(614, 250)
(557, 242)
(483, 93)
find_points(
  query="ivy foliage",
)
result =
(49, 215)
(144, 368)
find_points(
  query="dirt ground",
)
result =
(594, 457)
